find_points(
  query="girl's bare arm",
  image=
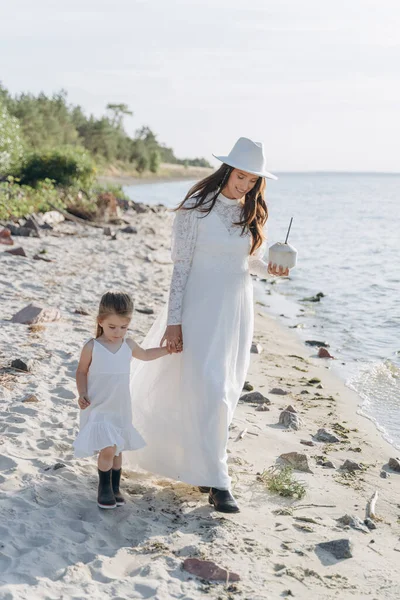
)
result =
(81, 374)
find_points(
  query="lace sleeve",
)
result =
(184, 235)
(258, 266)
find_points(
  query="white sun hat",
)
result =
(248, 156)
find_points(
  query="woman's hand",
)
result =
(273, 269)
(173, 338)
(83, 402)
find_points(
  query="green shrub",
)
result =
(21, 200)
(142, 163)
(154, 161)
(11, 147)
(65, 166)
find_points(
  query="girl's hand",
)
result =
(173, 338)
(83, 402)
(273, 269)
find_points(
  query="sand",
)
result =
(55, 541)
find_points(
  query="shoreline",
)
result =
(166, 173)
(272, 544)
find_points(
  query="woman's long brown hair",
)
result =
(254, 212)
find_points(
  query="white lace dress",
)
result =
(183, 404)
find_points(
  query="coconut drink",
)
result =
(283, 254)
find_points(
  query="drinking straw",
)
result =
(288, 231)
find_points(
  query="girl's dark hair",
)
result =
(113, 303)
(254, 212)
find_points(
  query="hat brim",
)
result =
(228, 161)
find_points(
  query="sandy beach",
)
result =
(56, 543)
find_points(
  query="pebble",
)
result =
(394, 463)
(256, 348)
(297, 461)
(16, 251)
(290, 418)
(351, 466)
(255, 398)
(22, 365)
(323, 435)
(279, 392)
(338, 548)
(307, 443)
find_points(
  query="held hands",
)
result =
(173, 339)
(83, 402)
(273, 269)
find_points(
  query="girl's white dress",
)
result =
(108, 419)
(183, 404)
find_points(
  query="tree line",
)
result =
(32, 124)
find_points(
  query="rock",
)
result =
(394, 463)
(41, 257)
(53, 217)
(81, 311)
(145, 311)
(208, 570)
(256, 348)
(17, 251)
(58, 465)
(107, 231)
(255, 398)
(30, 398)
(5, 237)
(290, 418)
(370, 524)
(21, 365)
(354, 522)
(314, 380)
(248, 387)
(323, 353)
(279, 392)
(384, 474)
(328, 464)
(338, 548)
(297, 461)
(317, 343)
(35, 313)
(18, 230)
(323, 435)
(351, 466)
(304, 392)
(129, 229)
(262, 408)
(307, 443)
(316, 298)
(31, 223)
(320, 387)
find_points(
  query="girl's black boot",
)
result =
(105, 496)
(116, 478)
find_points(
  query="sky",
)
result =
(318, 82)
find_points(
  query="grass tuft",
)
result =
(282, 482)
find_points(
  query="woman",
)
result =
(184, 406)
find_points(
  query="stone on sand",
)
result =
(323, 435)
(208, 570)
(290, 418)
(338, 548)
(255, 398)
(36, 313)
(297, 461)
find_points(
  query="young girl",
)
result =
(102, 380)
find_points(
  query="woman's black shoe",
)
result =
(203, 489)
(115, 479)
(105, 496)
(223, 501)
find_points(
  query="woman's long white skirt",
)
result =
(183, 404)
